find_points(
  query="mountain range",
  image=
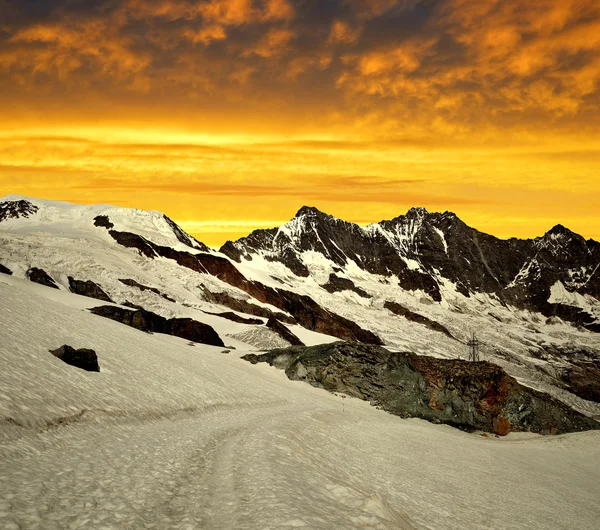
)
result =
(422, 282)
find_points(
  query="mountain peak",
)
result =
(417, 211)
(309, 211)
(559, 230)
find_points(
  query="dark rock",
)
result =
(103, 221)
(583, 379)
(517, 272)
(189, 329)
(5, 270)
(141, 287)
(186, 328)
(402, 311)
(243, 306)
(283, 332)
(129, 240)
(184, 237)
(470, 396)
(42, 277)
(88, 288)
(16, 209)
(83, 358)
(229, 315)
(337, 284)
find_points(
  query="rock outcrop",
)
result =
(283, 332)
(470, 396)
(402, 311)
(103, 221)
(16, 210)
(583, 379)
(42, 277)
(186, 328)
(132, 283)
(335, 284)
(88, 288)
(230, 315)
(83, 358)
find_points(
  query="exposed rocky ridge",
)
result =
(88, 288)
(470, 396)
(184, 237)
(16, 209)
(421, 247)
(283, 332)
(5, 270)
(402, 311)
(230, 315)
(148, 321)
(304, 309)
(132, 283)
(41, 276)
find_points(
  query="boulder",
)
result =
(83, 358)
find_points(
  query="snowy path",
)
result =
(180, 437)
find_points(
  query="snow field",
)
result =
(178, 436)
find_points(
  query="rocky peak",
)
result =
(16, 209)
(310, 211)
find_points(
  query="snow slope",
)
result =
(169, 435)
(62, 239)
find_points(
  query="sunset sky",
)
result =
(230, 115)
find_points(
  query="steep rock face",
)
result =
(422, 248)
(459, 393)
(583, 379)
(186, 328)
(88, 288)
(16, 209)
(40, 276)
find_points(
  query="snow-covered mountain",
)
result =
(179, 432)
(432, 251)
(423, 282)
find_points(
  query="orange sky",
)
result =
(231, 114)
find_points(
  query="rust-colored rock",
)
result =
(501, 426)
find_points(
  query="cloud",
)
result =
(342, 32)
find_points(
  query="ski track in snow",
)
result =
(174, 436)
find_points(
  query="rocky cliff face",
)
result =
(423, 250)
(470, 396)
